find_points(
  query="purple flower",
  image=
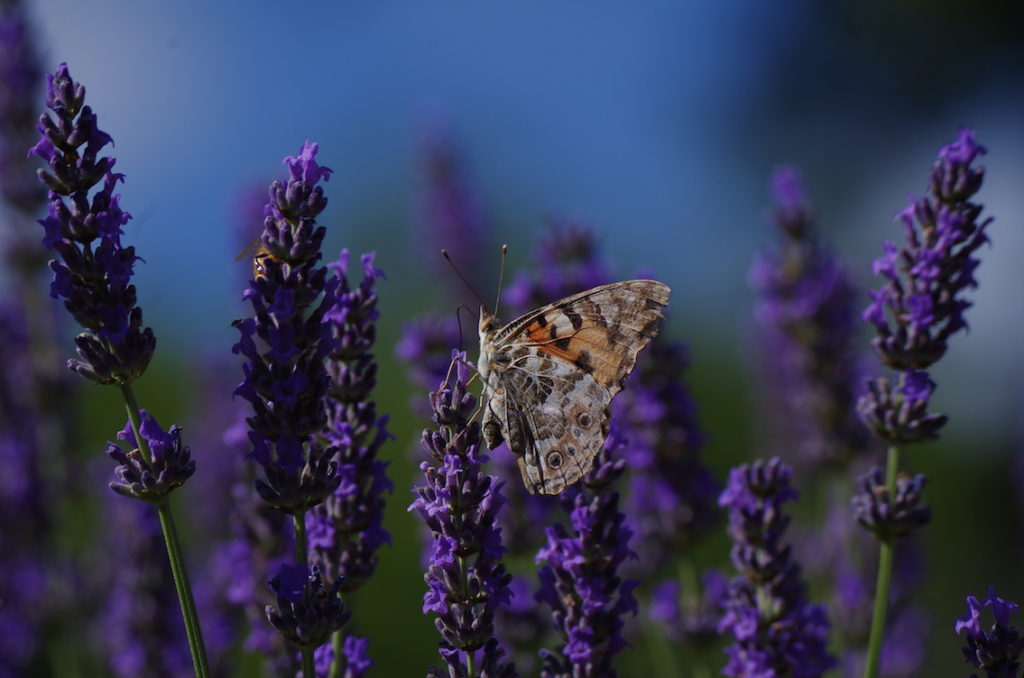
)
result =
(579, 578)
(152, 480)
(142, 631)
(19, 81)
(890, 517)
(93, 270)
(919, 305)
(689, 617)
(998, 649)
(286, 341)
(466, 580)
(671, 499)
(776, 631)
(448, 214)
(807, 311)
(566, 262)
(307, 612)
(346, 530)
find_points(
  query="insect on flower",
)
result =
(259, 254)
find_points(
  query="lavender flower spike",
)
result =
(580, 579)
(998, 649)
(286, 341)
(93, 270)
(776, 631)
(920, 306)
(151, 479)
(466, 580)
(346, 530)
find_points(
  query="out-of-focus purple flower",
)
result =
(142, 631)
(448, 214)
(806, 307)
(169, 466)
(93, 270)
(307, 612)
(890, 517)
(580, 576)
(26, 569)
(919, 306)
(466, 580)
(776, 630)
(19, 81)
(566, 262)
(286, 341)
(996, 650)
(346, 530)
(689, 617)
(671, 499)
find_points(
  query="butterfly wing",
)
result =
(564, 363)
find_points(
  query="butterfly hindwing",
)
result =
(550, 375)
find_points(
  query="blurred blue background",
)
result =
(657, 127)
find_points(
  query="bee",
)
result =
(259, 254)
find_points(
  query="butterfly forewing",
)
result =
(553, 371)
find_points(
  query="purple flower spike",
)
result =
(170, 465)
(806, 307)
(19, 81)
(346, 530)
(776, 631)
(580, 579)
(285, 344)
(996, 650)
(466, 580)
(919, 305)
(92, 272)
(888, 518)
(307, 613)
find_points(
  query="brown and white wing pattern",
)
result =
(554, 371)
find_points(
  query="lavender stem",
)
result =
(884, 577)
(174, 553)
(302, 559)
(338, 647)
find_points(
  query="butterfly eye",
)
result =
(554, 459)
(584, 420)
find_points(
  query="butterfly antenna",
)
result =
(444, 253)
(501, 276)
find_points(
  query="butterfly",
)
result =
(549, 375)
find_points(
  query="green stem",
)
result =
(338, 645)
(302, 558)
(174, 552)
(884, 577)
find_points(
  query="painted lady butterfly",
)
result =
(549, 375)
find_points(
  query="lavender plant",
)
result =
(580, 577)
(285, 343)
(914, 313)
(777, 631)
(92, 273)
(466, 580)
(806, 308)
(996, 650)
(346, 530)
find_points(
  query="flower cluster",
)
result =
(776, 631)
(889, 517)
(920, 305)
(807, 310)
(286, 341)
(346, 530)
(690, 617)
(466, 580)
(169, 466)
(19, 80)
(307, 612)
(998, 649)
(94, 270)
(580, 579)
